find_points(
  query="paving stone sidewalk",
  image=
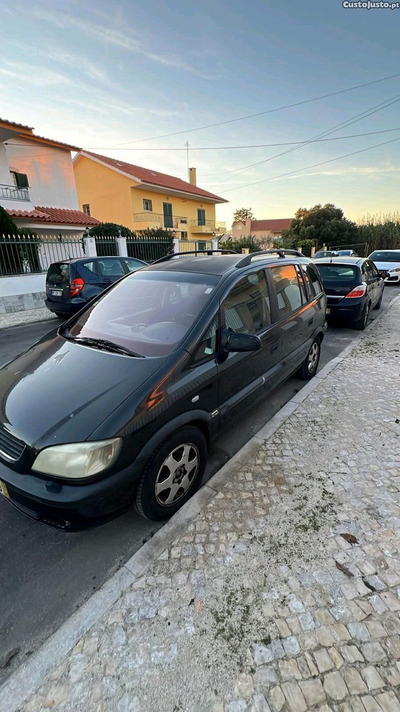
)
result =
(283, 595)
(26, 317)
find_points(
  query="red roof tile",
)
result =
(63, 216)
(146, 175)
(13, 123)
(272, 225)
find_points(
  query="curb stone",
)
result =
(30, 675)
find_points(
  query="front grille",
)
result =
(10, 447)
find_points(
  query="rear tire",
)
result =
(379, 304)
(61, 315)
(362, 322)
(179, 461)
(309, 367)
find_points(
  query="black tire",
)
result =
(379, 304)
(193, 444)
(362, 322)
(61, 315)
(309, 367)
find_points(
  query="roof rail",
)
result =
(168, 257)
(277, 251)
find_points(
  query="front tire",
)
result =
(172, 474)
(309, 367)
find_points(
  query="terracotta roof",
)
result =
(272, 225)
(145, 175)
(55, 215)
(13, 123)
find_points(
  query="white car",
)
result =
(387, 261)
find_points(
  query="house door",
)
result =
(167, 215)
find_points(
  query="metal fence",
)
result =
(106, 246)
(24, 254)
(190, 245)
(149, 249)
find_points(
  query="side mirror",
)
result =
(242, 342)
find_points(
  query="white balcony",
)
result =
(11, 192)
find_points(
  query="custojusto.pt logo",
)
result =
(370, 5)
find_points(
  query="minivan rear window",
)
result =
(58, 274)
(385, 256)
(343, 274)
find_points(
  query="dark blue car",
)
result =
(70, 284)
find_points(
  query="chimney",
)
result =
(192, 176)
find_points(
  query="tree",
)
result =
(320, 225)
(243, 214)
(243, 242)
(7, 224)
(110, 230)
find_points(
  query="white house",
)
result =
(37, 182)
(37, 189)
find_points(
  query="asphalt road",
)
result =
(46, 574)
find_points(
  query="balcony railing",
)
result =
(209, 224)
(160, 219)
(11, 192)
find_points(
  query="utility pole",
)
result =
(187, 144)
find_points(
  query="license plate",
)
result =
(56, 292)
(3, 489)
(328, 311)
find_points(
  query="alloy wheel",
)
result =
(177, 474)
(313, 356)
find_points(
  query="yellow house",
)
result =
(139, 198)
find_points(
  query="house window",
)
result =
(183, 235)
(201, 216)
(20, 179)
(147, 205)
(86, 208)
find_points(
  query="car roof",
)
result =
(342, 259)
(219, 264)
(378, 250)
(87, 258)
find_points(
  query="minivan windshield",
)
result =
(149, 312)
(385, 256)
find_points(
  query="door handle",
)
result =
(310, 321)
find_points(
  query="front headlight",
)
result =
(77, 460)
(395, 269)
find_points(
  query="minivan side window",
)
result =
(207, 347)
(246, 308)
(316, 286)
(287, 289)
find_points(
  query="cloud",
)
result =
(351, 170)
(41, 77)
(119, 38)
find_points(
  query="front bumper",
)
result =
(393, 278)
(70, 507)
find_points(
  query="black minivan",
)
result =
(70, 284)
(119, 405)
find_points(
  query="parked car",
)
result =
(325, 253)
(347, 253)
(120, 404)
(388, 263)
(70, 284)
(353, 287)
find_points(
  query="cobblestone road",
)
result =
(284, 593)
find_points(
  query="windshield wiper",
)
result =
(103, 344)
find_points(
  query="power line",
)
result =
(354, 119)
(314, 165)
(261, 113)
(251, 145)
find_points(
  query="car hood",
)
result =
(59, 391)
(387, 265)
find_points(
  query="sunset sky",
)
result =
(117, 77)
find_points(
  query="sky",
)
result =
(113, 77)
